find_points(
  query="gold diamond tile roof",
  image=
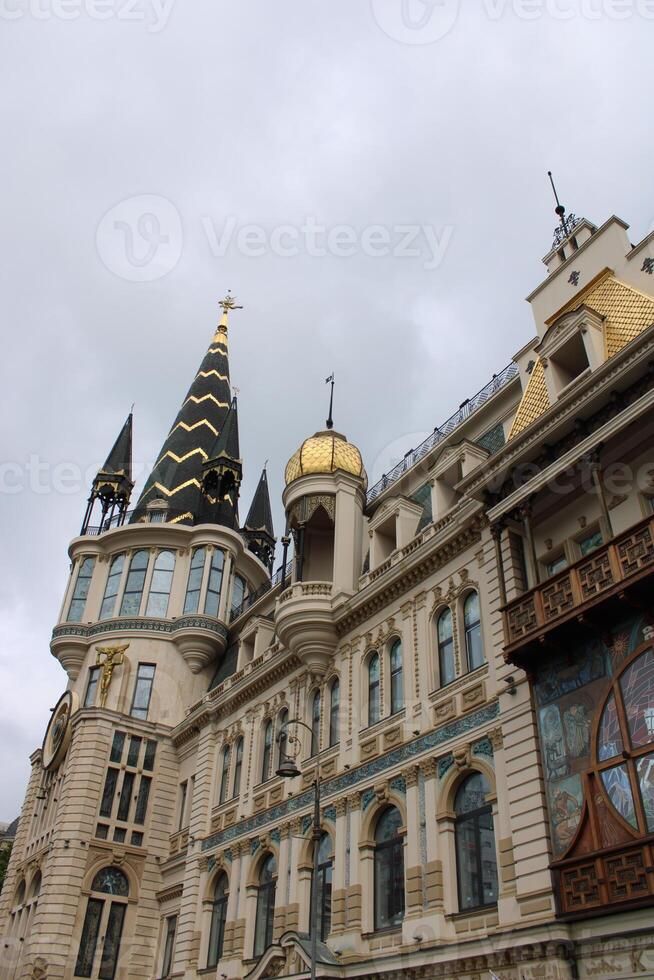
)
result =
(325, 452)
(627, 313)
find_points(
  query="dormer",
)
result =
(572, 347)
(455, 463)
(392, 527)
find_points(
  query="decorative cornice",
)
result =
(414, 568)
(344, 783)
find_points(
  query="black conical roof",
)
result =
(177, 474)
(260, 514)
(119, 460)
(227, 442)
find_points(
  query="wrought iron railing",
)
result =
(497, 382)
(143, 515)
(275, 580)
(563, 232)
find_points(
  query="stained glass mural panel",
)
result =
(617, 785)
(646, 779)
(637, 686)
(609, 738)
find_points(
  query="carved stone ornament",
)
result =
(462, 757)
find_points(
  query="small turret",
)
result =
(222, 474)
(258, 529)
(113, 484)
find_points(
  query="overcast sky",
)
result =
(157, 154)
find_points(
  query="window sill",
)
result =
(478, 912)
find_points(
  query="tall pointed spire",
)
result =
(112, 484)
(177, 475)
(258, 529)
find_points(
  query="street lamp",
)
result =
(288, 769)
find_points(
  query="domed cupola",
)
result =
(325, 452)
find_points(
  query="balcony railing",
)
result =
(273, 582)
(616, 564)
(497, 382)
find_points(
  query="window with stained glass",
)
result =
(104, 920)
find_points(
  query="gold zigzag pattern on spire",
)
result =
(171, 493)
(182, 517)
(218, 350)
(203, 398)
(207, 374)
(181, 459)
(189, 428)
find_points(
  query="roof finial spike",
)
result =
(227, 304)
(330, 381)
(559, 209)
(131, 411)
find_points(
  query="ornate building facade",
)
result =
(468, 644)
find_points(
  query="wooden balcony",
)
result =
(609, 573)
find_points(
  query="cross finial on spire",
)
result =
(330, 381)
(229, 303)
(560, 209)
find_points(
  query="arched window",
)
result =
(224, 776)
(263, 930)
(389, 870)
(194, 584)
(218, 918)
(374, 699)
(238, 767)
(334, 712)
(472, 626)
(108, 607)
(35, 887)
(325, 851)
(282, 734)
(20, 893)
(315, 724)
(162, 579)
(212, 600)
(104, 918)
(81, 591)
(239, 588)
(266, 758)
(131, 601)
(397, 680)
(476, 861)
(445, 647)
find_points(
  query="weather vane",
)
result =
(229, 303)
(330, 420)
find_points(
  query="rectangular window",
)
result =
(89, 941)
(150, 753)
(162, 579)
(134, 750)
(117, 747)
(183, 790)
(142, 801)
(81, 591)
(212, 600)
(108, 606)
(111, 947)
(109, 792)
(91, 687)
(125, 796)
(138, 566)
(590, 543)
(556, 565)
(143, 691)
(137, 838)
(171, 928)
(194, 586)
(119, 835)
(102, 831)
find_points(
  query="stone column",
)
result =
(412, 856)
(339, 892)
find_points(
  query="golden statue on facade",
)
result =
(109, 658)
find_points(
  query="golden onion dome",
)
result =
(325, 452)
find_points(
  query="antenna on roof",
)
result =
(330, 420)
(559, 209)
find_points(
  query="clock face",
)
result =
(58, 732)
